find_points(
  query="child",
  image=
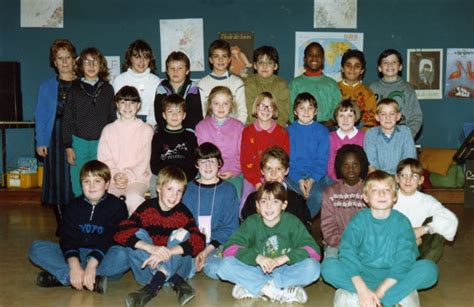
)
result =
(257, 137)
(219, 60)
(418, 207)
(214, 205)
(377, 255)
(272, 254)
(324, 89)
(347, 113)
(86, 254)
(309, 151)
(161, 236)
(90, 108)
(389, 143)
(125, 146)
(225, 132)
(265, 64)
(351, 86)
(179, 82)
(139, 71)
(174, 145)
(274, 166)
(343, 199)
(392, 86)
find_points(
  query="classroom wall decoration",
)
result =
(459, 73)
(42, 14)
(241, 49)
(425, 72)
(335, 14)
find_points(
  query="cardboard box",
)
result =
(22, 181)
(469, 184)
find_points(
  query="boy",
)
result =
(392, 86)
(351, 86)
(179, 82)
(173, 144)
(161, 236)
(377, 256)
(86, 254)
(271, 255)
(418, 207)
(323, 88)
(389, 143)
(219, 60)
(274, 166)
(265, 64)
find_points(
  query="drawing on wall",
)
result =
(425, 72)
(241, 48)
(184, 35)
(42, 14)
(335, 14)
(459, 73)
(334, 44)
(113, 64)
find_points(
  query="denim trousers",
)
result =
(315, 197)
(252, 278)
(49, 256)
(177, 264)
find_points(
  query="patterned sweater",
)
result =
(363, 96)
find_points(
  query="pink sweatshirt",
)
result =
(336, 142)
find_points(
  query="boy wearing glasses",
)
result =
(388, 143)
(431, 222)
(265, 64)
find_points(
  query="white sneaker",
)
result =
(239, 292)
(411, 300)
(294, 295)
(344, 298)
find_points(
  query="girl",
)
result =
(351, 86)
(271, 254)
(90, 108)
(346, 115)
(225, 132)
(343, 199)
(125, 146)
(257, 137)
(139, 71)
(214, 205)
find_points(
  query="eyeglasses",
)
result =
(414, 177)
(263, 107)
(265, 63)
(91, 62)
(210, 162)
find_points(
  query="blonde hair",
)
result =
(380, 176)
(258, 101)
(219, 90)
(171, 173)
(388, 102)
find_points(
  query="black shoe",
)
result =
(185, 292)
(100, 285)
(46, 280)
(139, 298)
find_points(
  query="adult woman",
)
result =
(52, 97)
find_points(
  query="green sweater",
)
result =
(277, 86)
(323, 88)
(289, 237)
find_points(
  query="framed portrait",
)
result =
(425, 72)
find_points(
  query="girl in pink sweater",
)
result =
(125, 146)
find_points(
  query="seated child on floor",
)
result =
(215, 207)
(161, 238)
(377, 255)
(418, 207)
(343, 199)
(86, 254)
(272, 254)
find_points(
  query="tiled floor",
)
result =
(21, 224)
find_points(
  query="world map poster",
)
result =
(334, 44)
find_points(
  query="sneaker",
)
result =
(185, 292)
(100, 285)
(239, 293)
(344, 298)
(293, 295)
(412, 300)
(139, 298)
(47, 280)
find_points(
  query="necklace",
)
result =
(64, 87)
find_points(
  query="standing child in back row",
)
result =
(313, 81)
(219, 59)
(392, 86)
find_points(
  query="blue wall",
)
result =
(111, 25)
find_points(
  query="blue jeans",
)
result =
(49, 256)
(212, 264)
(177, 264)
(315, 197)
(252, 278)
